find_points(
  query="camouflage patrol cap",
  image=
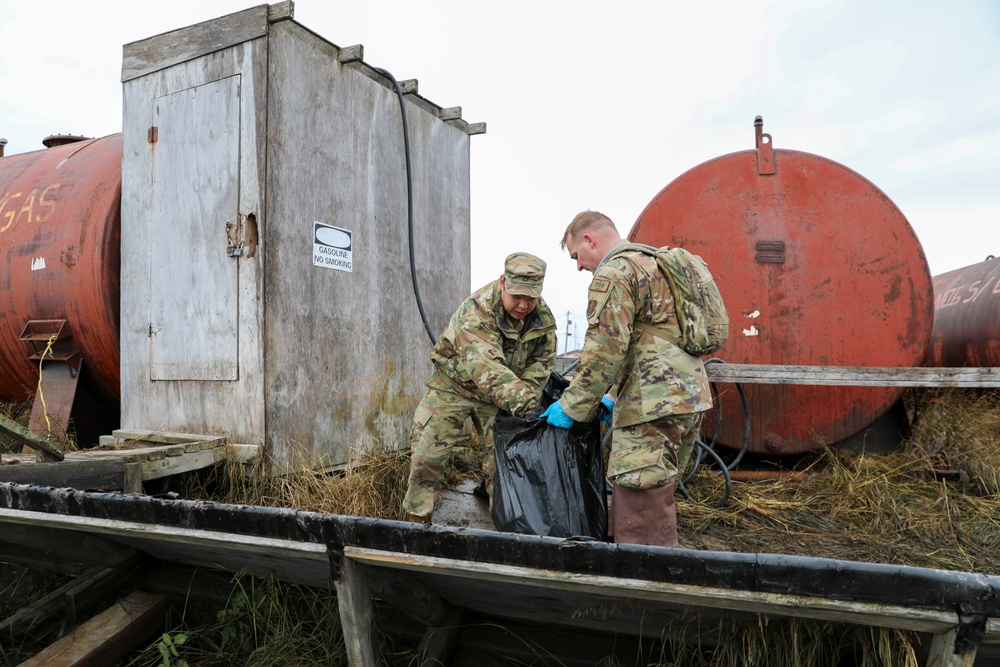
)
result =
(523, 274)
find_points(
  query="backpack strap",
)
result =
(646, 327)
(649, 328)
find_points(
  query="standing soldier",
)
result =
(662, 392)
(497, 353)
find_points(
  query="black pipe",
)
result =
(409, 201)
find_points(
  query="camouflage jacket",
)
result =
(653, 378)
(483, 357)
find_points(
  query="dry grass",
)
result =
(933, 503)
(372, 484)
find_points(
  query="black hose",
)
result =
(702, 447)
(746, 418)
(409, 200)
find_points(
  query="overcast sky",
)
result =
(600, 105)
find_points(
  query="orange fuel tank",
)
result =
(60, 226)
(817, 267)
(967, 317)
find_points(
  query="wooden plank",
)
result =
(96, 474)
(108, 637)
(354, 600)
(161, 51)
(243, 453)
(12, 429)
(351, 54)
(854, 376)
(942, 652)
(95, 585)
(132, 478)
(173, 465)
(53, 604)
(890, 616)
(451, 113)
(97, 588)
(281, 11)
(299, 562)
(165, 437)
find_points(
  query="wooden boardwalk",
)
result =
(124, 461)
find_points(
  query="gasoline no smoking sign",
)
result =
(332, 247)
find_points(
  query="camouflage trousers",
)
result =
(653, 454)
(438, 426)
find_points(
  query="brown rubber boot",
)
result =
(644, 517)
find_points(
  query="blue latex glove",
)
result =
(609, 408)
(556, 416)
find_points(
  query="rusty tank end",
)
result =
(966, 328)
(60, 227)
(817, 267)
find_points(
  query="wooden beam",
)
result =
(354, 600)
(305, 563)
(12, 429)
(94, 586)
(178, 463)
(67, 545)
(108, 637)
(942, 652)
(351, 54)
(93, 474)
(853, 376)
(862, 613)
(164, 437)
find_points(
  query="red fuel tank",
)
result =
(60, 226)
(817, 267)
(966, 328)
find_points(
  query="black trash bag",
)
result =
(550, 394)
(549, 480)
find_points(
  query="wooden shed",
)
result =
(266, 284)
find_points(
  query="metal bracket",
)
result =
(971, 628)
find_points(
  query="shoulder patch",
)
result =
(600, 285)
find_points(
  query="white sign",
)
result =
(332, 247)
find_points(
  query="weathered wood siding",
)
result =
(191, 314)
(254, 142)
(347, 354)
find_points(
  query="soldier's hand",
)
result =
(556, 416)
(607, 409)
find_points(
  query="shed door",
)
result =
(194, 282)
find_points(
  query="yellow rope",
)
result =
(41, 396)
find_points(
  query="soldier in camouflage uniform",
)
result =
(662, 392)
(496, 354)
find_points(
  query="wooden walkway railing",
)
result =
(854, 376)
